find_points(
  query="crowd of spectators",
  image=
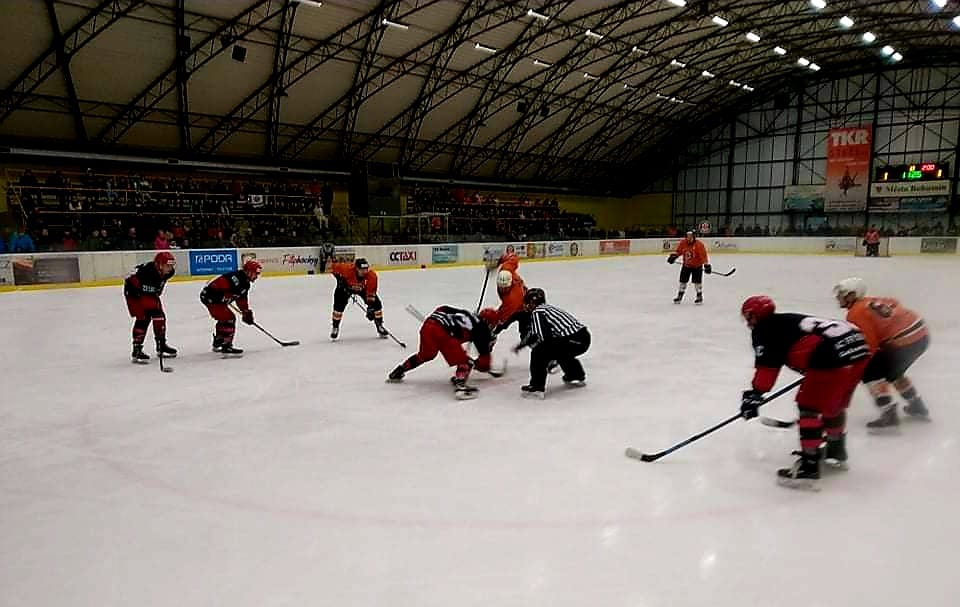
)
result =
(485, 215)
(99, 212)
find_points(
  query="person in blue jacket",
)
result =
(24, 244)
(3, 245)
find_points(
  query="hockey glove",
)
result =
(371, 313)
(672, 258)
(752, 399)
(708, 268)
(248, 317)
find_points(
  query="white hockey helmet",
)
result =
(504, 279)
(849, 286)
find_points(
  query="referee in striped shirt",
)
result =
(554, 335)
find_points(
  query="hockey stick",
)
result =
(483, 291)
(160, 357)
(415, 313)
(353, 298)
(652, 457)
(730, 273)
(777, 423)
(268, 334)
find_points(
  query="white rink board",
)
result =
(296, 476)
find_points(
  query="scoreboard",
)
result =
(921, 171)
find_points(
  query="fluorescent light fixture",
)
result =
(593, 34)
(539, 63)
(814, 67)
(676, 63)
(749, 89)
(313, 3)
(818, 4)
(752, 37)
(589, 76)
(637, 49)
(869, 37)
(676, 100)
(780, 50)
(897, 57)
(846, 22)
(803, 61)
(678, 2)
(956, 20)
(887, 51)
(629, 87)
(536, 15)
(484, 48)
(720, 21)
(399, 26)
(940, 3)
(659, 96)
(708, 74)
(735, 83)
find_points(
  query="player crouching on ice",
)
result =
(356, 278)
(444, 332)
(219, 294)
(896, 337)
(695, 263)
(554, 335)
(142, 290)
(510, 290)
(831, 356)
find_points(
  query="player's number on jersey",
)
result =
(827, 328)
(884, 310)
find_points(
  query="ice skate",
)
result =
(678, 298)
(382, 332)
(574, 382)
(462, 391)
(699, 299)
(229, 351)
(804, 474)
(917, 411)
(835, 453)
(888, 422)
(138, 356)
(396, 376)
(529, 391)
(166, 351)
(334, 333)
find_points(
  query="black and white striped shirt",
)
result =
(550, 322)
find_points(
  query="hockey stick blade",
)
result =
(415, 312)
(777, 423)
(730, 273)
(643, 457)
(289, 343)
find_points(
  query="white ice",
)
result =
(296, 476)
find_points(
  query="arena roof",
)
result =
(540, 91)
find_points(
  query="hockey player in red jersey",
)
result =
(232, 287)
(142, 290)
(444, 332)
(356, 278)
(831, 355)
(695, 263)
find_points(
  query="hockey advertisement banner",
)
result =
(402, 257)
(209, 262)
(564, 249)
(848, 168)
(803, 198)
(615, 247)
(30, 270)
(448, 253)
(939, 245)
(910, 189)
(301, 260)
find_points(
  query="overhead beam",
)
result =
(361, 83)
(183, 100)
(277, 92)
(63, 60)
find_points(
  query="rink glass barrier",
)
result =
(49, 270)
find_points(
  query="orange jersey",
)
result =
(885, 323)
(511, 301)
(346, 275)
(510, 262)
(694, 255)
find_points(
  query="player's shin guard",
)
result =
(160, 328)
(836, 452)
(915, 406)
(140, 331)
(810, 425)
(225, 331)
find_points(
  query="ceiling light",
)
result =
(707, 74)
(803, 61)
(818, 4)
(399, 26)
(956, 20)
(594, 35)
(637, 49)
(676, 63)
(869, 37)
(846, 22)
(749, 89)
(313, 3)
(589, 76)
(678, 2)
(897, 57)
(815, 67)
(940, 3)
(536, 15)
(484, 48)
(735, 83)
(887, 51)
(539, 63)
(720, 21)
(753, 37)
(629, 87)
(779, 50)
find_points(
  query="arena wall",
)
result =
(74, 269)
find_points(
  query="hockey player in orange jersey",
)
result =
(695, 263)
(896, 336)
(510, 290)
(356, 278)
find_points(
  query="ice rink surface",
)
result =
(296, 476)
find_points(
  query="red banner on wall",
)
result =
(848, 168)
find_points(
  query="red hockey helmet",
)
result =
(165, 258)
(489, 316)
(756, 308)
(252, 268)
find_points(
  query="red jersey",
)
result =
(347, 279)
(871, 237)
(694, 254)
